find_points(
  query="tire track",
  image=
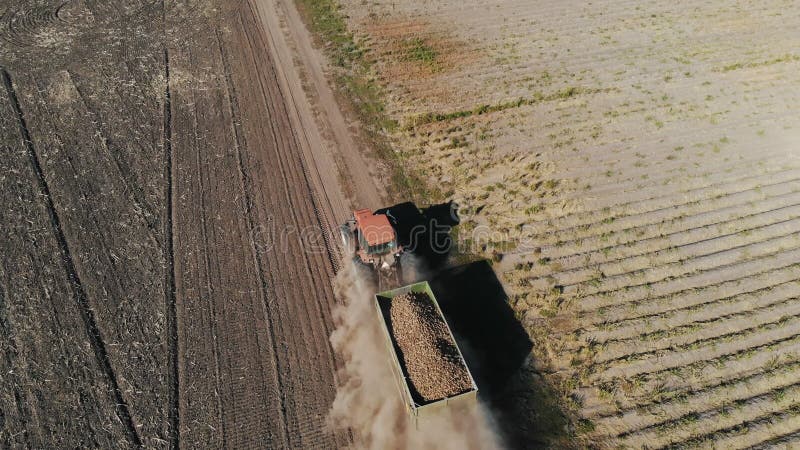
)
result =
(173, 375)
(325, 212)
(126, 177)
(285, 199)
(215, 312)
(247, 301)
(291, 212)
(240, 140)
(79, 294)
(6, 333)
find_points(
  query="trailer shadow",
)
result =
(525, 409)
(497, 347)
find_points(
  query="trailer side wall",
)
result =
(418, 412)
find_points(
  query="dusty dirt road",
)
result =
(328, 137)
(166, 278)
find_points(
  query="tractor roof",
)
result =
(376, 229)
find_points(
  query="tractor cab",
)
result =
(371, 239)
(375, 236)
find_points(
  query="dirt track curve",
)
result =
(165, 277)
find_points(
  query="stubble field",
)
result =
(632, 168)
(155, 287)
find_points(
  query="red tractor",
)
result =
(372, 239)
(377, 240)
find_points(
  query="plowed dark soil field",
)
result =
(159, 284)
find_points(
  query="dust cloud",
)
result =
(368, 398)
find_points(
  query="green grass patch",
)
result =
(324, 18)
(433, 117)
(743, 65)
(416, 49)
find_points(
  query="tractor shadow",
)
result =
(496, 347)
(424, 233)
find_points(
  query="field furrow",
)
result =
(55, 388)
(114, 244)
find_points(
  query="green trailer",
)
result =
(418, 410)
